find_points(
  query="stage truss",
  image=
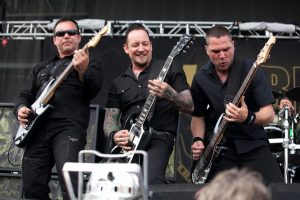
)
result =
(38, 30)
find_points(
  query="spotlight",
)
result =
(4, 42)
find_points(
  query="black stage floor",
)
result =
(280, 191)
(10, 189)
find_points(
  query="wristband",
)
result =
(111, 135)
(250, 118)
(195, 139)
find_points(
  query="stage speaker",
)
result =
(178, 170)
(173, 191)
(11, 155)
(11, 187)
(281, 191)
(183, 149)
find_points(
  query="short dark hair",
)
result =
(218, 31)
(135, 26)
(65, 19)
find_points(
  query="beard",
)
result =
(142, 63)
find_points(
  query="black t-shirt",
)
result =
(208, 95)
(129, 94)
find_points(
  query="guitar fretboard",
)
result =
(151, 98)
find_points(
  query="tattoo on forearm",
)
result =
(184, 102)
(111, 120)
(169, 93)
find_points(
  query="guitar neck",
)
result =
(58, 81)
(151, 98)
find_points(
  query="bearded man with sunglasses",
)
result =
(61, 133)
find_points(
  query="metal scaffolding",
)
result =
(38, 30)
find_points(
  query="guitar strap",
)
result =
(233, 84)
(234, 80)
(55, 70)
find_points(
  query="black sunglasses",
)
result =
(62, 33)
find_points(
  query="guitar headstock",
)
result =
(94, 41)
(264, 53)
(181, 44)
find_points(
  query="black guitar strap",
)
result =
(234, 80)
(234, 83)
(55, 70)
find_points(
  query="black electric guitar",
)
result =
(40, 107)
(212, 150)
(136, 129)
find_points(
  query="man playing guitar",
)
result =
(127, 96)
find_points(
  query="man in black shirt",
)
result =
(128, 94)
(246, 142)
(62, 133)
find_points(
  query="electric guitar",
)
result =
(136, 131)
(40, 107)
(212, 150)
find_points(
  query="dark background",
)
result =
(169, 10)
(19, 56)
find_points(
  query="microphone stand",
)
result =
(288, 143)
(285, 143)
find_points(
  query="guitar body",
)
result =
(39, 111)
(199, 174)
(24, 133)
(138, 138)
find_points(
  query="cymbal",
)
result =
(277, 94)
(293, 94)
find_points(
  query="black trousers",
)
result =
(259, 159)
(56, 143)
(159, 151)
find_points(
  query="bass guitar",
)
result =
(212, 150)
(40, 107)
(136, 131)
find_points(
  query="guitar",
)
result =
(40, 106)
(136, 131)
(203, 165)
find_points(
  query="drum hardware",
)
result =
(277, 94)
(293, 94)
(288, 144)
(292, 172)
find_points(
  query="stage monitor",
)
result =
(11, 155)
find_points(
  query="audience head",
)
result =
(235, 184)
